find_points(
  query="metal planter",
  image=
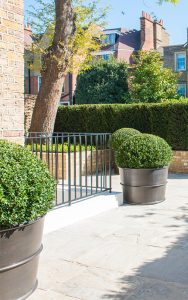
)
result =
(19, 255)
(143, 186)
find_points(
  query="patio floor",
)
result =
(131, 253)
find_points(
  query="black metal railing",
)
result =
(81, 163)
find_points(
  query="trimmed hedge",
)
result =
(168, 120)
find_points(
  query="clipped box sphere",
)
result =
(144, 151)
(26, 187)
(119, 136)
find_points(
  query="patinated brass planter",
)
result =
(20, 248)
(144, 186)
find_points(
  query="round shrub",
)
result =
(121, 135)
(144, 151)
(26, 187)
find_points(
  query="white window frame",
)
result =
(176, 55)
(183, 84)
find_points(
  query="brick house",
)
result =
(12, 70)
(119, 42)
(176, 58)
(122, 43)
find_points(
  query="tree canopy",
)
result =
(89, 19)
(149, 80)
(103, 82)
(72, 32)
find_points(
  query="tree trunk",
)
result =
(55, 68)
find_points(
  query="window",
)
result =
(180, 61)
(106, 56)
(181, 89)
(110, 39)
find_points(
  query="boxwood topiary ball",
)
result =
(144, 151)
(26, 187)
(121, 135)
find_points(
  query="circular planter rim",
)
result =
(145, 168)
(22, 225)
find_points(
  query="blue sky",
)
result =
(175, 17)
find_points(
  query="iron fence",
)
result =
(81, 163)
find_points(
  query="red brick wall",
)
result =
(153, 33)
(147, 34)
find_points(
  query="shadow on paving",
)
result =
(177, 176)
(165, 278)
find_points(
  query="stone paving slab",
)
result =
(128, 253)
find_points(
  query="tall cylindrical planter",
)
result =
(144, 186)
(19, 255)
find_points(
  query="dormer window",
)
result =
(111, 36)
(111, 39)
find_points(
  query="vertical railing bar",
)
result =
(80, 164)
(48, 152)
(63, 171)
(105, 162)
(56, 166)
(100, 159)
(32, 145)
(110, 163)
(52, 154)
(69, 172)
(74, 165)
(40, 148)
(91, 164)
(102, 162)
(96, 163)
(35, 145)
(86, 162)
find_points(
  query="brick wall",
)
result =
(169, 59)
(11, 70)
(180, 162)
(147, 33)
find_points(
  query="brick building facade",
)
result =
(120, 43)
(123, 43)
(11, 70)
(176, 58)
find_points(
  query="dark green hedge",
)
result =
(168, 120)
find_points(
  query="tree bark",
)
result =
(55, 68)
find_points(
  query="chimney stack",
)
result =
(153, 34)
(27, 27)
(147, 34)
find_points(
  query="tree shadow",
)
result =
(177, 176)
(165, 278)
